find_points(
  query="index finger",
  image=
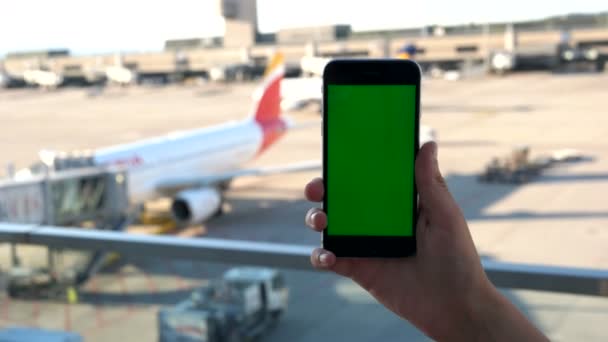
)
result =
(315, 190)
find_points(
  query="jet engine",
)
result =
(196, 205)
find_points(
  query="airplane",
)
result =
(42, 78)
(193, 167)
(298, 93)
(301, 92)
(120, 74)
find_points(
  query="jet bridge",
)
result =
(66, 198)
(75, 198)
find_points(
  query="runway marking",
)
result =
(149, 282)
(131, 310)
(67, 317)
(124, 290)
(6, 302)
(98, 306)
(31, 321)
(107, 323)
(35, 312)
(181, 283)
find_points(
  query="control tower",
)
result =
(241, 17)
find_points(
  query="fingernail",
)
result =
(324, 259)
(312, 217)
(434, 150)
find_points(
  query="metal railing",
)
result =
(585, 281)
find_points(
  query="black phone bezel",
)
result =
(370, 71)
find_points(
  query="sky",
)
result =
(143, 25)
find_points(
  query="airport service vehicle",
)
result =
(30, 283)
(564, 56)
(518, 168)
(514, 168)
(242, 306)
(194, 167)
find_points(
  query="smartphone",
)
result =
(370, 141)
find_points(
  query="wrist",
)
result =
(485, 311)
(492, 317)
(465, 316)
(479, 314)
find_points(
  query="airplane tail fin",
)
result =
(268, 95)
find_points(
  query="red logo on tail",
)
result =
(268, 108)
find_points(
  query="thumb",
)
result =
(433, 191)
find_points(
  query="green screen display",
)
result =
(370, 159)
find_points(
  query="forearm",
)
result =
(495, 318)
(487, 316)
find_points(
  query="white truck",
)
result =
(242, 306)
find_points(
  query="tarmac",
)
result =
(559, 218)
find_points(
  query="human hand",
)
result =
(443, 290)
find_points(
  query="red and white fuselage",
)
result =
(204, 151)
(201, 152)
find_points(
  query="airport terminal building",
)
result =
(534, 44)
